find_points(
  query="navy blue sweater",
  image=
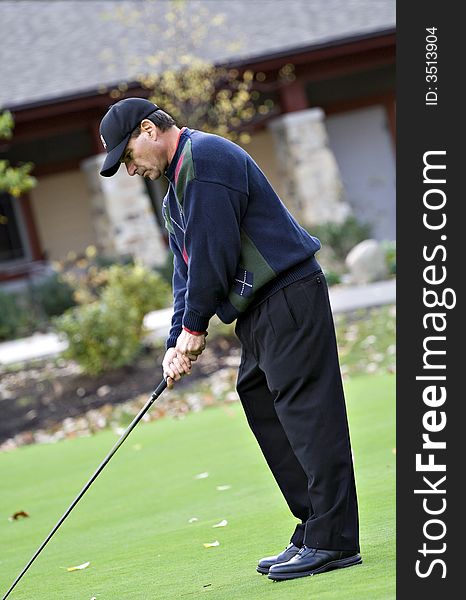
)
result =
(234, 241)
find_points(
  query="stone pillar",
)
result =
(311, 180)
(123, 218)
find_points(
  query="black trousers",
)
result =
(289, 383)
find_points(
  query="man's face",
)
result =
(145, 156)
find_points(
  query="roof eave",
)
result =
(375, 38)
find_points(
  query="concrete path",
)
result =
(346, 298)
(342, 299)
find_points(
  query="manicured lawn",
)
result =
(133, 523)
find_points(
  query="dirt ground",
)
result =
(43, 394)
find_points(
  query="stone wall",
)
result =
(311, 180)
(122, 215)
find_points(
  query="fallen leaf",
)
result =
(201, 476)
(223, 523)
(193, 520)
(212, 544)
(222, 488)
(20, 513)
(79, 567)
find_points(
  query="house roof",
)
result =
(60, 48)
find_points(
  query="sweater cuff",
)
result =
(194, 322)
(194, 332)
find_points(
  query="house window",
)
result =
(13, 246)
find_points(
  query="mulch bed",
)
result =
(42, 395)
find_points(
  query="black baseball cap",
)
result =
(117, 126)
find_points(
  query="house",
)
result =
(328, 147)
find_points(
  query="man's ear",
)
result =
(148, 127)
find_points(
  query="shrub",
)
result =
(101, 335)
(87, 274)
(389, 247)
(10, 316)
(138, 285)
(54, 295)
(18, 317)
(332, 277)
(107, 333)
(341, 237)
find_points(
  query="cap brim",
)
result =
(112, 160)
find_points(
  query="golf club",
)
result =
(155, 394)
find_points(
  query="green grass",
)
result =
(366, 340)
(132, 525)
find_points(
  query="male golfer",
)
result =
(239, 253)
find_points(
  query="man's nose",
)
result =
(131, 168)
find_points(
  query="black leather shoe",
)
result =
(265, 563)
(310, 561)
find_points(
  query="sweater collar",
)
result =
(182, 138)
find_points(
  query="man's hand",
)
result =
(175, 364)
(177, 361)
(190, 345)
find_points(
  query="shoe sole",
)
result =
(334, 564)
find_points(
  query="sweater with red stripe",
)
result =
(234, 241)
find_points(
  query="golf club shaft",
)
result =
(155, 394)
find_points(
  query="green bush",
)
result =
(87, 274)
(18, 318)
(101, 335)
(140, 286)
(107, 334)
(341, 237)
(10, 316)
(54, 295)
(389, 248)
(332, 277)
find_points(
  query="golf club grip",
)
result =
(155, 394)
(159, 389)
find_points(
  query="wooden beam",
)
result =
(344, 65)
(378, 46)
(293, 97)
(72, 164)
(31, 229)
(94, 127)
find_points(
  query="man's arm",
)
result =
(179, 280)
(177, 360)
(213, 214)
